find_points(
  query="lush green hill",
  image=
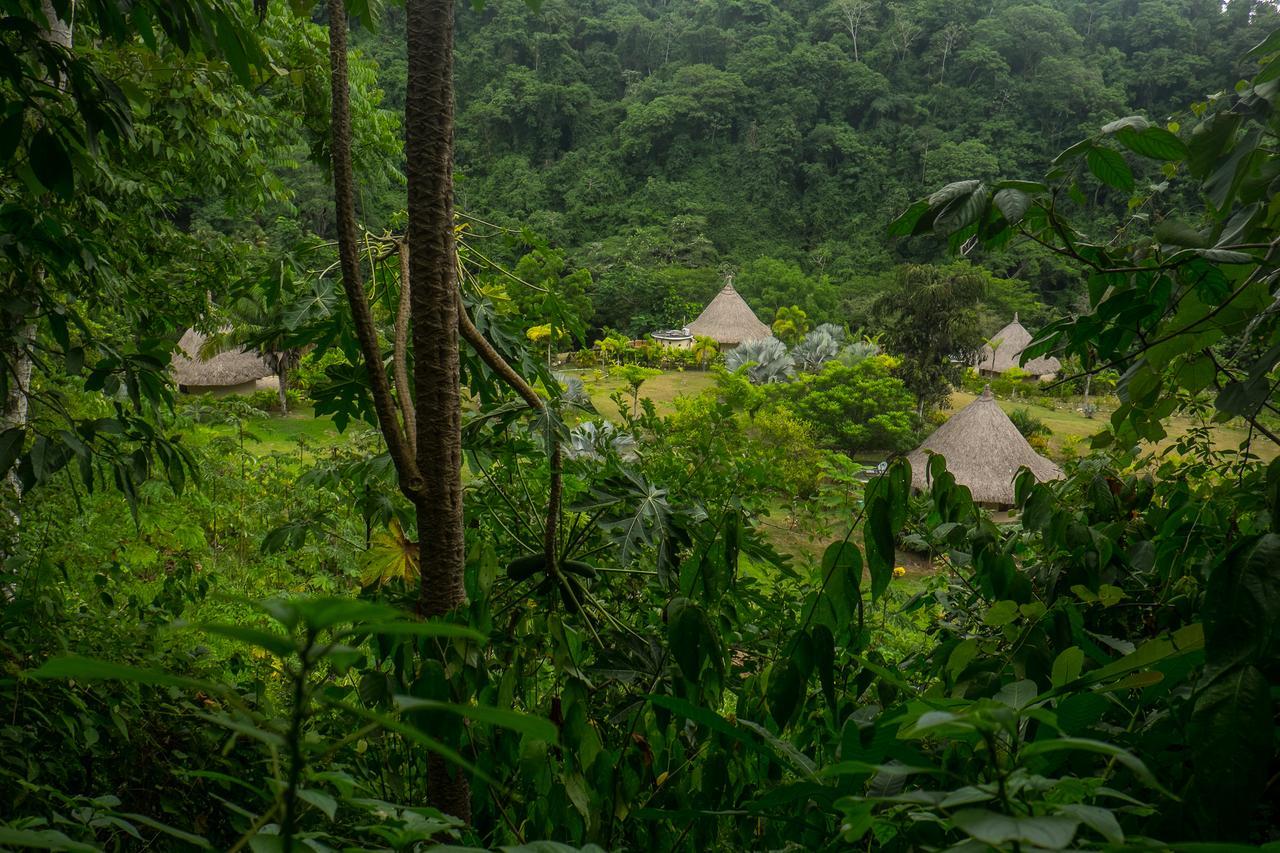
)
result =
(661, 141)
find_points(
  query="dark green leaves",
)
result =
(88, 669)
(1232, 743)
(689, 634)
(1242, 605)
(962, 211)
(11, 441)
(52, 165)
(840, 586)
(1012, 203)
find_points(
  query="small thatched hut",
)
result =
(984, 450)
(729, 320)
(231, 372)
(1009, 344)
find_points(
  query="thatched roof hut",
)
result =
(729, 320)
(1010, 342)
(226, 371)
(984, 450)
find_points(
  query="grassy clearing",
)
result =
(280, 434)
(662, 390)
(1070, 427)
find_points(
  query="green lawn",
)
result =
(277, 434)
(662, 390)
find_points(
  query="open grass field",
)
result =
(298, 431)
(662, 390)
(1070, 427)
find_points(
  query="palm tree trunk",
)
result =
(434, 307)
(282, 380)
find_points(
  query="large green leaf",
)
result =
(1075, 744)
(1242, 605)
(528, 725)
(878, 536)
(786, 689)
(1048, 832)
(840, 585)
(88, 669)
(43, 839)
(1186, 640)
(704, 717)
(1109, 166)
(1012, 203)
(686, 629)
(1154, 142)
(1231, 737)
(278, 644)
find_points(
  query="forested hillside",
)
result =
(660, 141)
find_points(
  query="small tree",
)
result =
(930, 318)
(704, 349)
(790, 325)
(635, 376)
(863, 407)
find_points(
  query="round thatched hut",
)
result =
(231, 372)
(729, 320)
(984, 450)
(1009, 344)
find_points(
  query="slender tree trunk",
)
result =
(282, 380)
(349, 256)
(434, 299)
(434, 303)
(400, 353)
(16, 352)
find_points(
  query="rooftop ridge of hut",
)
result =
(1009, 343)
(729, 320)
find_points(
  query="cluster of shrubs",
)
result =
(616, 349)
(1018, 384)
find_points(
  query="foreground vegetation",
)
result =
(449, 601)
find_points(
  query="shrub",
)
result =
(310, 371)
(789, 447)
(767, 361)
(862, 407)
(1028, 424)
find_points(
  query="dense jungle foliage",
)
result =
(453, 601)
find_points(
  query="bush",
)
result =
(863, 407)
(789, 447)
(1028, 424)
(766, 361)
(310, 371)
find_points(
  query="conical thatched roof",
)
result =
(729, 320)
(1010, 342)
(984, 450)
(234, 367)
